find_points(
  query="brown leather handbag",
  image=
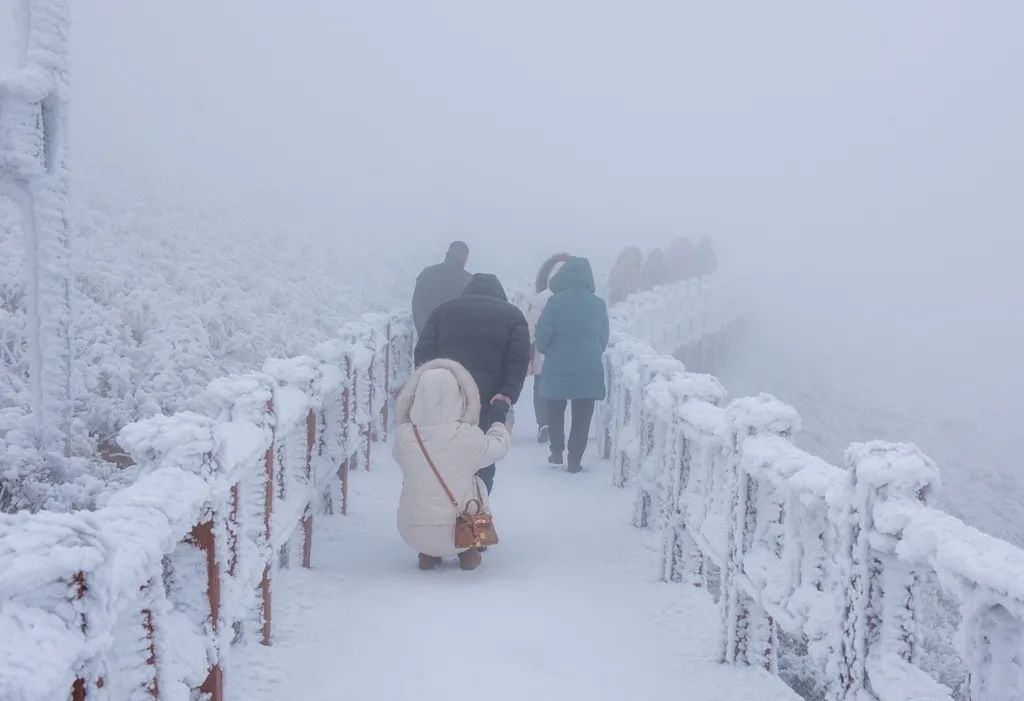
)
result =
(472, 529)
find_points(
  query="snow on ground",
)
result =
(567, 606)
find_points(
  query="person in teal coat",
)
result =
(572, 333)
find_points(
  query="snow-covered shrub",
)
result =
(170, 294)
(13, 351)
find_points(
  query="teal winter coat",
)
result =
(572, 333)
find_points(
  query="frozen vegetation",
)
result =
(172, 292)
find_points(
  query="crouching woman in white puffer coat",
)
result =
(443, 402)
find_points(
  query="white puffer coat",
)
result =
(442, 400)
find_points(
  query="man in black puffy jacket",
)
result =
(439, 283)
(490, 337)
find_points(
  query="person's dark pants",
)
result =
(487, 475)
(582, 413)
(488, 416)
(540, 405)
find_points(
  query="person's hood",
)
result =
(439, 392)
(575, 273)
(487, 285)
(555, 269)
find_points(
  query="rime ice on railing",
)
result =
(33, 173)
(831, 557)
(144, 597)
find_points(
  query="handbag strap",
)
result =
(430, 461)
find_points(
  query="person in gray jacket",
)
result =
(439, 283)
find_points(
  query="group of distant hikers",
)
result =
(473, 354)
(633, 272)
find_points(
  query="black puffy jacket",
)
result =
(485, 333)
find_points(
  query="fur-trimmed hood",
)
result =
(431, 395)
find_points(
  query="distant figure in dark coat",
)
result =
(705, 260)
(439, 283)
(656, 270)
(572, 334)
(490, 338)
(624, 278)
(681, 260)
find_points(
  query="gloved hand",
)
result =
(498, 410)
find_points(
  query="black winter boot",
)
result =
(555, 459)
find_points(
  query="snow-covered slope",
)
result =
(849, 389)
(179, 288)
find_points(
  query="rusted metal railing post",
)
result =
(233, 532)
(284, 553)
(279, 475)
(307, 516)
(366, 430)
(153, 687)
(268, 507)
(202, 537)
(384, 417)
(343, 476)
(346, 428)
(79, 688)
(385, 411)
(366, 446)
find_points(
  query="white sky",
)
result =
(842, 122)
(863, 161)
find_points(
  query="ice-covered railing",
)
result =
(832, 558)
(691, 319)
(144, 597)
(34, 175)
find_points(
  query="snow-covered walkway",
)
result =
(566, 607)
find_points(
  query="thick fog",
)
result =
(858, 164)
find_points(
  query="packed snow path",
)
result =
(567, 606)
